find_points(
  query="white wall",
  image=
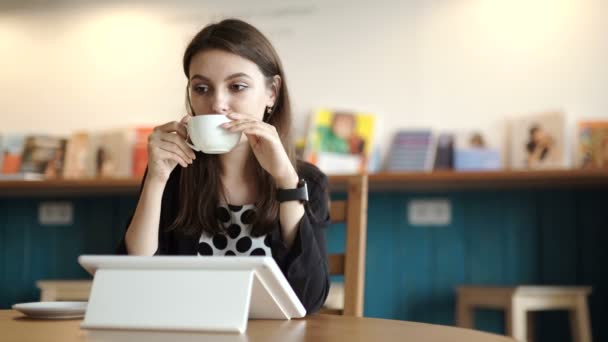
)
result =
(446, 64)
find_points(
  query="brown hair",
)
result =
(200, 184)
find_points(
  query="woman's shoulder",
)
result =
(311, 174)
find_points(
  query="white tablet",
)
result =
(207, 291)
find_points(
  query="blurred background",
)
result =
(434, 85)
(442, 64)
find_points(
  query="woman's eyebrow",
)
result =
(235, 75)
(200, 77)
(238, 74)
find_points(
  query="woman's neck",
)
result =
(235, 164)
(238, 176)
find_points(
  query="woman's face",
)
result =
(223, 83)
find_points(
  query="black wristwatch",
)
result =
(300, 193)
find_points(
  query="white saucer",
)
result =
(52, 310)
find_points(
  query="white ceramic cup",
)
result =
(207, 135)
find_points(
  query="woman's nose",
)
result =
(220, 104)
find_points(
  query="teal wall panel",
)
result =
(522, 238)
(495, 237)
(448, 259)
(592, 222)
(485, 259)
(559, 255)
(415, 286)
(380, 243)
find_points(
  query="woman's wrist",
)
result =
(288, 181)
(153, 181)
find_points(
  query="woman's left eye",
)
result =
(239, 86)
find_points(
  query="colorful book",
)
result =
(340, 142)
(412, 150)
(12, 149)
(40, 152)
(140, 151)
(593, 144)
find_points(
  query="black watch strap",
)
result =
(298, 194)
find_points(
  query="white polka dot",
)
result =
(245, 231)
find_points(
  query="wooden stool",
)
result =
(53, 290)
(519, 303)
(334, 304)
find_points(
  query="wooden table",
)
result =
(16, 327)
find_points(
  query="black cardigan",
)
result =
(305, 265)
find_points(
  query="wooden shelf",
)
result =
(62, 187)
(489, 180)
(415, 181)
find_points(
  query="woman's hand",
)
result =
(167, 147)
(267, 147)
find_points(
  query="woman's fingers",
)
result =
(257, 128)
(259, 132)
(184, 126)
(186, 119)
(169, 151)
(171, 147)
(168, 155)
(181, 143)
(243, 125)
(241, 116)
(173, 126)
(235, 125)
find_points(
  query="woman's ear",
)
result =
(274, 91)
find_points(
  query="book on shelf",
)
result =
(593, 144)
(412, 150)
(80, 156)
(12, 149)
(537, 141)
(340, 142)
(473, 153)
(22, 176)
(140, 151)
(43, 154)
(114, 154)
(444, 154)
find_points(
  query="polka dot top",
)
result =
(238, 240)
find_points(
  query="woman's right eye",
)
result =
(200, 89)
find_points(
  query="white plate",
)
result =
(52, 310)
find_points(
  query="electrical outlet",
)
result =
(55, 213)
(430, 212)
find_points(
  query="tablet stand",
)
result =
(180, 299)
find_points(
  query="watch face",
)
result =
(305, 190)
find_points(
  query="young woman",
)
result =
(255, 199)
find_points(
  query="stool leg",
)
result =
(464, 314)
(579, 321)
(516, 320)
(530, 326)
(48, 295)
